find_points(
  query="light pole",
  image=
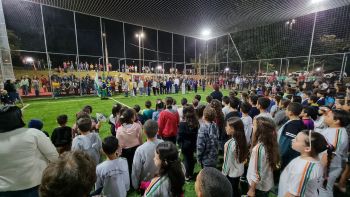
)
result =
(140, 36)
(226, 71)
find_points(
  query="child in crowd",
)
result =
(148, 112)
(62, 136)
(114, 117)
(226, 104)
(233, 111)
(321, 97)
(187, 137)
(211, 182)
(170, 179)
(253, 100)
(305, 98)
(168, 122)
(288, 132)
(139, 116)
(195, 103)
(235, 153)
(199, 113)
(247, 121)
(336, 135)
(129, 135)
(112, 174)
(180, 110)
(159, 108)
(281, 117)
(302, 175)
(264, 157)
(263, 104)
(89, 142)
(207, 139)
(37, 124)
(313, 102)
(209, 99)
(143, 166)
(308, 116)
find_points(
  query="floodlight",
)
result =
(159, 67)
(206, 32)
(29, 60)
(318, 69)
(227, 69)
(316, 1)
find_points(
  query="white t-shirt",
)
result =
(24, 155)
(264, 114)
(301, 178)
(248, 127)
(113, 176)
(338, 137)
(259, 169)
(226, 110)
(231, 166)
(181, 114)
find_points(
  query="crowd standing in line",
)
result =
(291, 140)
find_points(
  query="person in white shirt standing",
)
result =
(303, 175)
(235, 153)
(25, 153)
(264, 157)
(176, 83)
(337, 136)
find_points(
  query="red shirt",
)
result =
(168, 123)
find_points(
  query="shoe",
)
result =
(187, 178)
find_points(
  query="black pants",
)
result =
(259, 193)
(31, 192)
(170, 139)
(128, 154)
(189, 161)
(235, 186)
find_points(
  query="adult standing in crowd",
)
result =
(25, 153)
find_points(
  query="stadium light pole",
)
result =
(140, 36)
(315, 3)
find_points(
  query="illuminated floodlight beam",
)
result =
(206, 32)
(29, 60)
(316, 1)
(227, 69)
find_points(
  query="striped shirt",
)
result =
(231, 166)
(338, 137)
(301, 178)
(159, 186)
(259, 170)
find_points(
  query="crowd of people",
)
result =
(291, 139)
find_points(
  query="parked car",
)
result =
(334, 74)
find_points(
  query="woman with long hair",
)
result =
(170, 179)
(220, 122)
(264, 157)
(187, 138)
(235, 153)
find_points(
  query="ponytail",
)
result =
(330, 149)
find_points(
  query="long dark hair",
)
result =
(318, 145)
(265, 133)
(190, 117)
(239, 136)
(171, 166)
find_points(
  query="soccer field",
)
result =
(47, 110)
